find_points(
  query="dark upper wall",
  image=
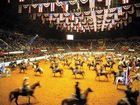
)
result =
(12, 21)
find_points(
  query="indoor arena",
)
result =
(69, 52)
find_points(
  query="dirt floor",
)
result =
(54, 89)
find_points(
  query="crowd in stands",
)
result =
(19, 42)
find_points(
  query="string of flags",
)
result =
(81, 21)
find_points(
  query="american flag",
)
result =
(71, 17)
(40, 8)
(52, 7)
(65, 6)
(127, 78)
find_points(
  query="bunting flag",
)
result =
(91, 4)
(65, 7)
(99, 0)
(108, 2)
(96, 20)
(76, 20)
(115, 16)
(21, 0)
(67, 20)
(40, 8)
(52, 7)
(119, 11)
(61, 16)
(125, 1)
(71, 17)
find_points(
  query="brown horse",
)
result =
(60, 71)
(80, 72)
(74, 101)
(19, 92)
(101, 74)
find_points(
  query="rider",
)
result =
(25, 84)
(76, 69)
(78, 91)
(56, 68)
(101, 70)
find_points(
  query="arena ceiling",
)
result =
(22, 21)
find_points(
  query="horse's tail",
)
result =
(11, 96)
(64, 102)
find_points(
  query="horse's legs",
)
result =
(114, 79)
(29, 100)
(106, 77)
(16, 100)
(82, 75)
(75, 75)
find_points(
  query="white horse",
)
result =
(121, 81)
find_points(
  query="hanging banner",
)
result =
(40, 8)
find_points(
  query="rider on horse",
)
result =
(78, 91)
(56, 68)
(101, 70)
(25, 84)
(76, 69)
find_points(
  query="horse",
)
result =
(60, 71)
(101, 74)
(19, 92)
(130, 99)
(109, 65)
(22, 67)
(94, 65)
(121, 81)
(75, 101)
(67, 64)
(39, 70)
(13, 65)
(75, 72)
(81, 64)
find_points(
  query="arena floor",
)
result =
(54, 89)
